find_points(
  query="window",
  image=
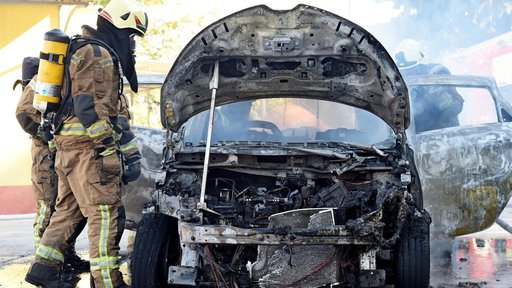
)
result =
(289, 120)
(479, 107)
(442, 106)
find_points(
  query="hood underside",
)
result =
(304, 52)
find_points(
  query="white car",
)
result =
(286, 161)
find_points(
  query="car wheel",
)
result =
(156, 247)
(412, 254)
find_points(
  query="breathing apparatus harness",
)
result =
(65, 109)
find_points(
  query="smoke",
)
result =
(445, 26)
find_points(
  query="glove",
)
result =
(131, 173)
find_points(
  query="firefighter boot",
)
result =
(72, 259)
(45, 276)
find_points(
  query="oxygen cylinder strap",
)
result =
(52, 57)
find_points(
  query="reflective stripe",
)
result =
(103, 244)
(105, 262)
(105, 63)
(37, 240)
(98, 128)
(51, 144)
(75, 129)
(108, 151)
(49, 253)
(75, 58)
(130, 145)
(40, 219)
(32, 84)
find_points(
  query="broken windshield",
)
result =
(289, 120)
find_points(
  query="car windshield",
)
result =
(289, 120)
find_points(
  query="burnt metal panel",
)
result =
(137, 193)
(465, 172)
(321, 56)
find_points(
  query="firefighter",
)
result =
(87, 161)
(434, 107)
(44, 178)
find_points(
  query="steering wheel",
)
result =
(276, 133)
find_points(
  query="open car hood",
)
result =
(304, 52)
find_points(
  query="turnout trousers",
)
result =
(88, 185)
(44, 186)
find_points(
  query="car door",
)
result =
(465, 170)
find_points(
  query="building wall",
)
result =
(22, 27)
(15, 19)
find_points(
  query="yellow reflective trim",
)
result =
(130, 145)
(72, 133)
(75, 129)
(37, 240)
(99, 128)
(75, 58)
(49, 253)
(103, 243)
(47, 98)
(105, 267)
(105, 63)
(105, 261)
(41, 213)
(51, 144)
(108, 151)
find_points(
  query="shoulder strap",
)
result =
(66, 105)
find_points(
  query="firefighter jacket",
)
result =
(95, 96)
(28, 117)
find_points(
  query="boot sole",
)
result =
(33, 281)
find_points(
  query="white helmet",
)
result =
(125, 14)
(408, 53)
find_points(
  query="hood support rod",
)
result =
(214, 85)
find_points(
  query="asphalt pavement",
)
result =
(17, 251)
(479, 260)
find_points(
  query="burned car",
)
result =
(286, 161)
(465, 166)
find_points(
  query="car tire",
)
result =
(156, 247)
(412, 253)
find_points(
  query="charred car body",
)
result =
(465, 168)
(286, 161)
